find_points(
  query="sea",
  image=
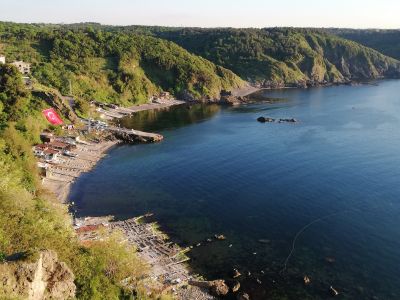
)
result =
(318, 198)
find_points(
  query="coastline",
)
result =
(60, 181)
(167, 261)
(168, 269)
(60, 176)
(116, 112)
(245, 91)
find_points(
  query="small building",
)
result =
(38, 150)
(2, 59)
(23, 67)
(59, 146)
(50, 154)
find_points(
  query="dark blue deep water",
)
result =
(220, 171)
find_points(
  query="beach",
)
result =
(62, 173)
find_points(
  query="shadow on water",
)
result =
(170, 118)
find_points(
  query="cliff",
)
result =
(45, 278)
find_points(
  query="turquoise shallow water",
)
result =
(220, 171)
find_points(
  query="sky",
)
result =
(208, 13)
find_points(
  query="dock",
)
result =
(134, 136)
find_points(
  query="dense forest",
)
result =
(385, 41)
(129, 64)
(112, 66)
(283, 56)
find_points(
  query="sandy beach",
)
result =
(61, 174)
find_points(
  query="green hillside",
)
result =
(383, 40)
(283, 56)
(117, 67)
(32, 220)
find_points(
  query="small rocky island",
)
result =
(272, 120)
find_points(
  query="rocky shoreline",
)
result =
(169, 273)
(166, 260)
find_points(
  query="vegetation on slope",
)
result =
(31, 219)
(384, 41)
(118, 67)
(282, 56)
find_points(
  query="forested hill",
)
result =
(385, 41)
(282, 56)
(129, 64)
(112, 66)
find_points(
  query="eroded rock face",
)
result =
(232, 100)
(47, 278)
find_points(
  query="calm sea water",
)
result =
(220, 171)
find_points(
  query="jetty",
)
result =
(134, 136)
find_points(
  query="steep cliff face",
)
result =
(46, 278)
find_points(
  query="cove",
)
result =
(219, 171)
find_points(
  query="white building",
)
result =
(2, 59)
(23, 67)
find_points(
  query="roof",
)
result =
(50, 151)
(88, 228)
(41, 146)
(58, 144)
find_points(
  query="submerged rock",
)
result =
(243, 296)
(217, 288)
(291, 120)
(265, 120)
(236, 287)
(263, 241)
(330, 259)
(220, 237)
(236, 273)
